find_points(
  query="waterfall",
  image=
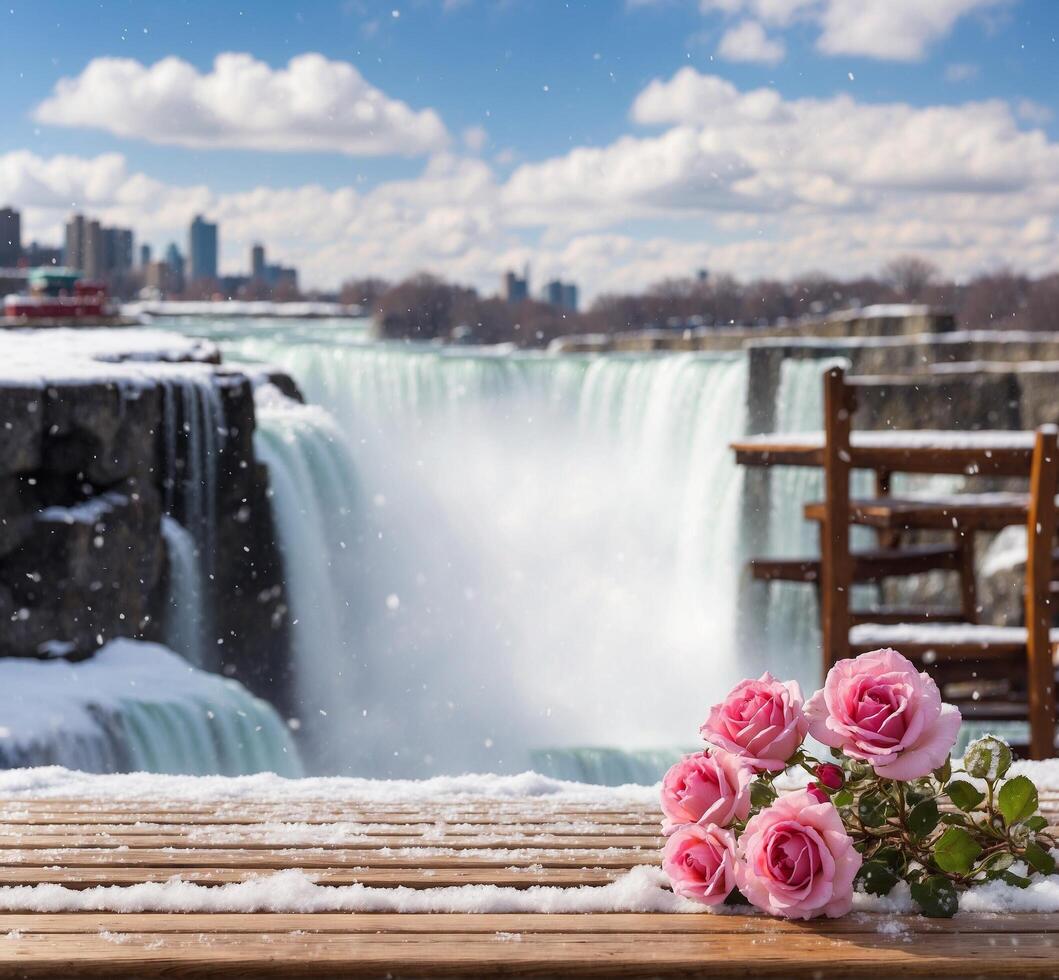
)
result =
(184, 615)
(137, 707)
(314, 496)
(194, 434)
(544, 548)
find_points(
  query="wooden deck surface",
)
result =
(80, 844)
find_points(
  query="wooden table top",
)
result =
(79, 844)
(993, 453)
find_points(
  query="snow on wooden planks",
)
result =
(79, 844)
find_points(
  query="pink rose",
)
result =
(761, 721)
(880, 709)
(797, 861)
(700, 862)
(708, 787)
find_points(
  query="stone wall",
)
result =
(82, 491)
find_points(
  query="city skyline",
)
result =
(647, 139)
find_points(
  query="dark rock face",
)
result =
(85, 574)
(84, 480)
(251, 621)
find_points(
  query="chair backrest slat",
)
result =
(836, 562)
(1040, 534)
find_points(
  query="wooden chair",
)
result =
(1013, 664)
(893, 558)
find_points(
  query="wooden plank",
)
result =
(600, 922)
(324, 830)
(908, 514)
(1040, 527)
(868, 566)
(277, 859)
(376, 878)
(366, 845)
(964, 453)
(836, 565)
(523, 954)
(202, 820)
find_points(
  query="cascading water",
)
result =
(137, 707)
(185, 614)
(315, 502)
(195, 430)
(544, 549)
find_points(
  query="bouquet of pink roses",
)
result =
(890, 807)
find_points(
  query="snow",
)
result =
(902, 439)
(89, 511)
(231, 307)
(641, 889)
(886, 634)
(56, 782)
(131, 692)
(117, 354)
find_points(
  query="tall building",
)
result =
(516, 288)
(257, 262)
(174, 262)
(74, 253)
(561, 294)
(202, 250)
(10, 237)
(117, 250)
(94, 256)
(36, 255)
(145, 255)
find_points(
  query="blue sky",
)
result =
(520, 94)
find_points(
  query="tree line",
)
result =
(426, 307)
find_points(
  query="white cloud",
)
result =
(736, 180)
(779, 13)
(475, 138)
(900, 30)
(747, 41)
(1033, 112)
(311, 104)
(832, 182)
(961, 72)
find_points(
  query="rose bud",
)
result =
(830, 775)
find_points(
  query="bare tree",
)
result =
(910, 275)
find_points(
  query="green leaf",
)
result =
(1017, 800)
(923, 817)
(964, 795)
(943, 772)
(1035, 823)
(1009, 878)
(955, 851)
(1038, 858)
(872, 809)
(936, 897)
(987, 758)
(842, 798)
(890, 856)
(876, 878)
(762, 793)
(998, 861)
